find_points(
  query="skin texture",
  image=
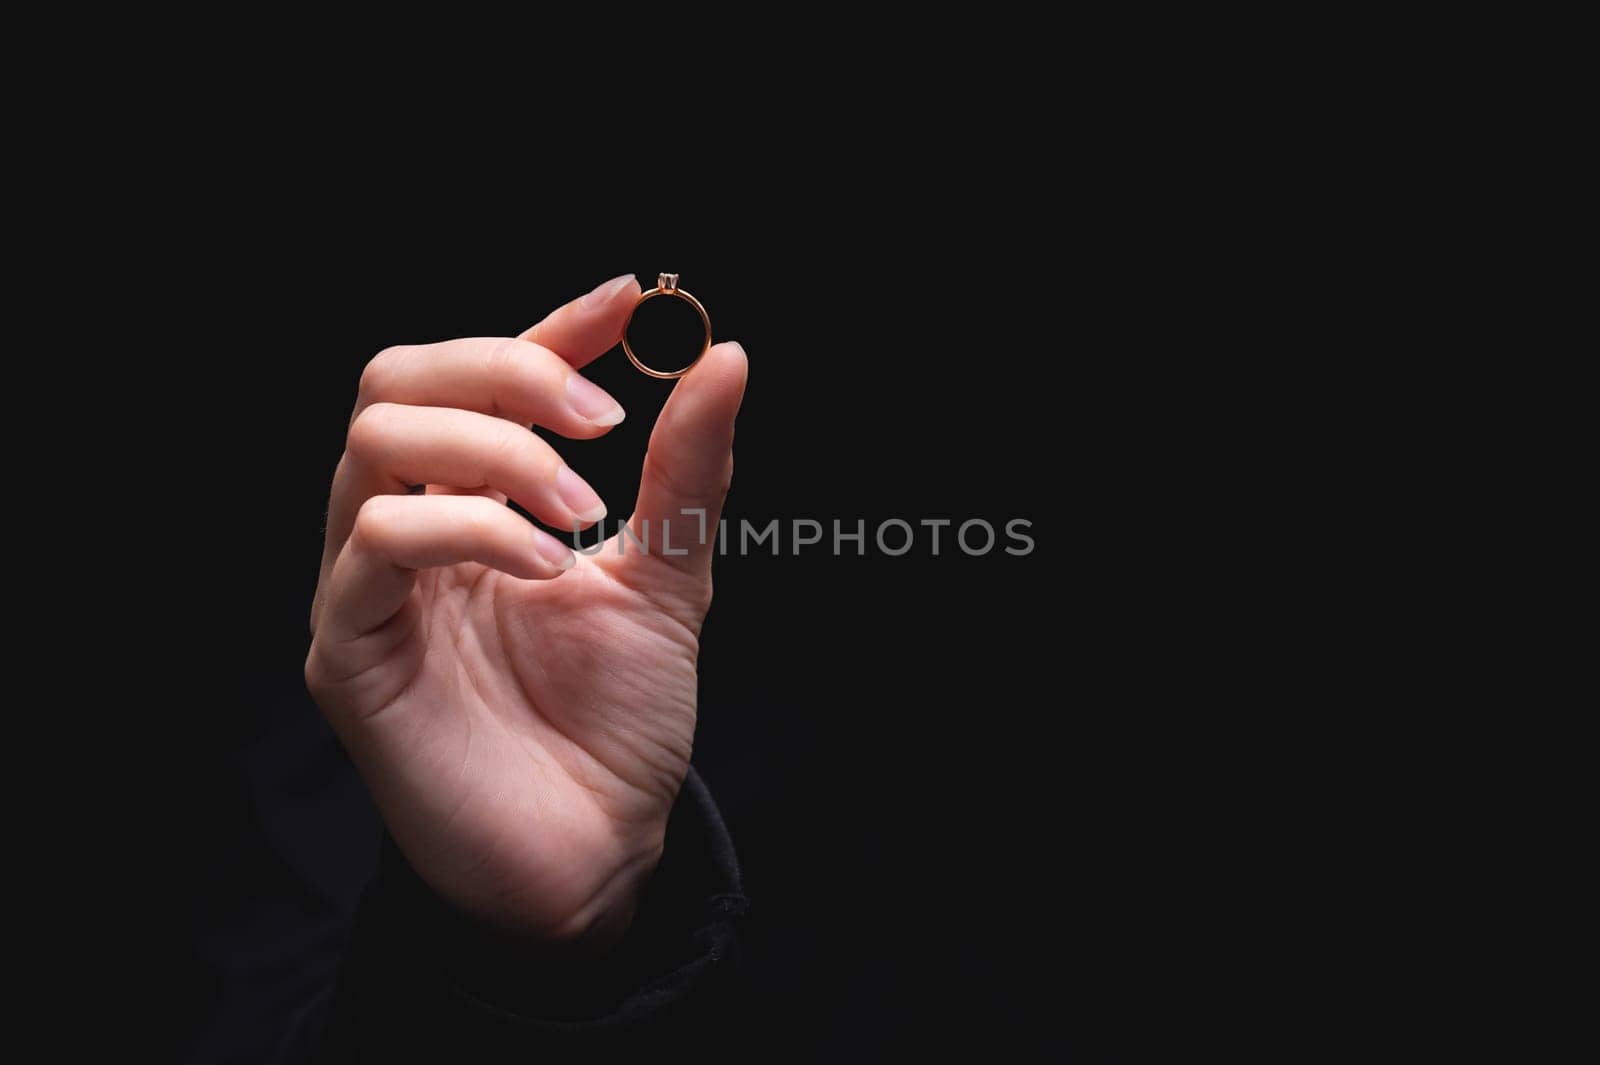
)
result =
(523, 728)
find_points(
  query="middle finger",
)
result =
(392, 446)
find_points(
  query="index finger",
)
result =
(589, 326)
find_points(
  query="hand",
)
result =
(522, 715)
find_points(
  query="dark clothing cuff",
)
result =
(419, 978)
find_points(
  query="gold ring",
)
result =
(666, 285)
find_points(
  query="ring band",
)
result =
(666, 285)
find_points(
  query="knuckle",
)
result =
(477, 520)
(722, 481)
(373, 521)
(371, 429)
(309, 670)
(518, 373)
(379, 372)
(502, 367)
(658, 474)
(511, 447)
(313, 671)
(503, 357)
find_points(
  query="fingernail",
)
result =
(576, 493)
(605, 290)
(554, 551)
(592, 402)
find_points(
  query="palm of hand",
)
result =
(538, 732)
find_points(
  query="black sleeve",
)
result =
(420, 982)
(311, 940)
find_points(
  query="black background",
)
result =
(937, 768)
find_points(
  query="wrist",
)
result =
(660, 931)
(603, 922)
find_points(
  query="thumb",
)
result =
(689, 465)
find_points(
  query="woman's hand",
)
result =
(522, 715)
